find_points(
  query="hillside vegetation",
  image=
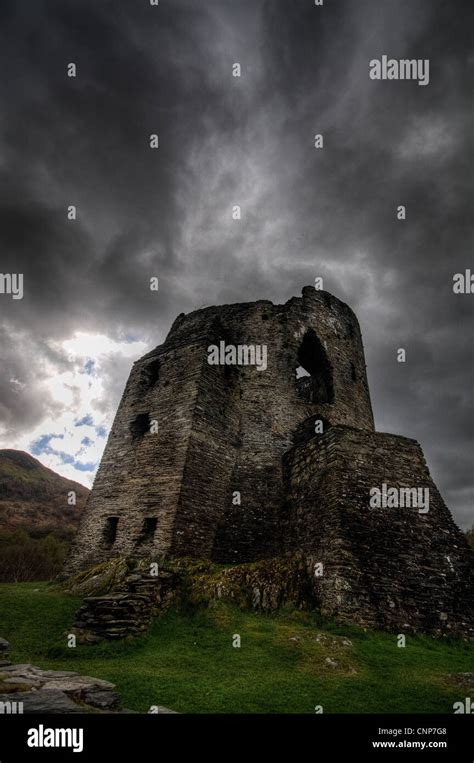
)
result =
(36, 521)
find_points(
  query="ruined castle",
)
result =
(233, 461)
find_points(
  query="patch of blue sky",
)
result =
(89, 366)
(85, 421)
(42, 444)
(89, 467)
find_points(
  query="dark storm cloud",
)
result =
(85, 141)
(247, 141)
(390, 143)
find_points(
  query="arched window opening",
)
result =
(314, 374)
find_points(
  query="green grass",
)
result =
(187, 661)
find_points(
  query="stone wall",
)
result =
(382, 567)
(220, 429)
(239, 472)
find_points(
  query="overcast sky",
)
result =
(66, 348)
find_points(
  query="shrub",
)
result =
(24, 558)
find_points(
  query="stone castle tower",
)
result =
(239, 462)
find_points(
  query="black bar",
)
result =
(315, 738)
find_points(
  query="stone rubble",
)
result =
(55, 691)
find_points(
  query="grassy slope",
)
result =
(187, 662)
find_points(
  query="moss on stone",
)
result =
(266, 584)
(96, 580)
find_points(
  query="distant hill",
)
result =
(34, 498)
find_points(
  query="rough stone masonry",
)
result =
(232, 463)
